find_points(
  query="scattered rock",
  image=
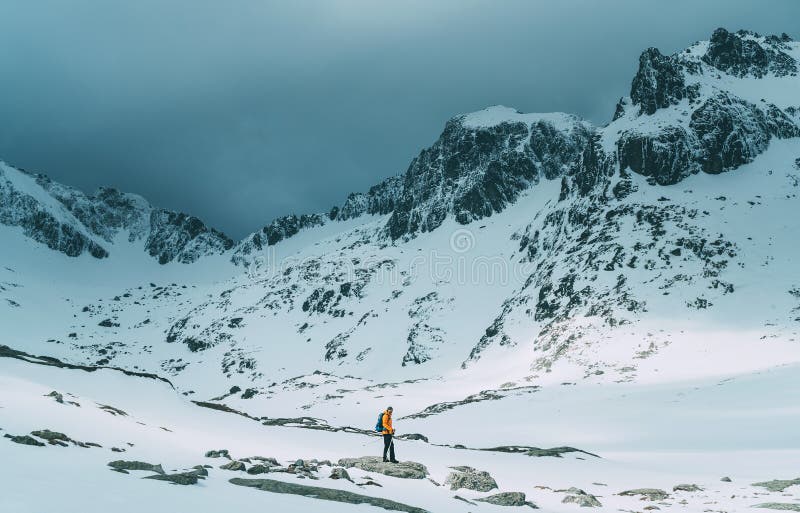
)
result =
(184, 478)
(413, 436)
(55, 395)
(117, 449)
(136, 465)
(470, 479)
(403, 470)
(686, 488)
(536, 452)
(328, 494)
(217, 454)
(653, 494)
(780, 506)
(778, 485)
(726, 479)
(258, 469)
(508, 499)
(52, 437)
(462, 499)
(234, 465)
(199, 470)
(340, 473)
(24, 440)
(581, 498)
(112, 410)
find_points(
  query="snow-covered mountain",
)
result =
(518, 252)
(534, 237)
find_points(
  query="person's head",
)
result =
(390, 410)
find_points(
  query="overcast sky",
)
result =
(238, 112)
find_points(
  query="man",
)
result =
(388, 434)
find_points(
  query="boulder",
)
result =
(470, 479)
(121, 465)
(326, 494)
(258, 469)
(57, 396)
(581, 498)
(686, 488)
(653, 494)
(217, 454)
(183, 478)
(403, 470)
(726, 479)
(339, 473)
(508, 499)
(234, 465)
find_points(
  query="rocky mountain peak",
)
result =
(745, 53)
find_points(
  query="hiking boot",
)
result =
(385, 460)
(393, 461)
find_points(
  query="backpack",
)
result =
(379, 425)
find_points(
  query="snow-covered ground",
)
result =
(645, 436)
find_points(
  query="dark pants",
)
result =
(388, 445)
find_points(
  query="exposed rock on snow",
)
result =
(340, 473)
(686, 488)
(471, 479)
(221, 453)
(536, 452)
(778, 485)
(404, 469)
(326, 494)
(124, 466)
(653, 494)
(234, 465)
(780, 506)
(581, 498)
(24, 440)
(508, 499)
(182, 478)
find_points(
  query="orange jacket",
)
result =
(387, 423)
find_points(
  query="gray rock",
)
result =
(686, 488)
(258, 469)
(184, 478)
(55, 395)
(136, 465)
(339, 473)
(24, 440)
(778, 485)
(470, 479)
(234, 465)
(653, 494)
(581, 498)
(199, 470)
(726, 479)
(780, 506)
(508, 499)
(327, 494)
(217, 454)
(404, 470)
(413, 436)
(52, 437)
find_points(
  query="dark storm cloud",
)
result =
(239, 112)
